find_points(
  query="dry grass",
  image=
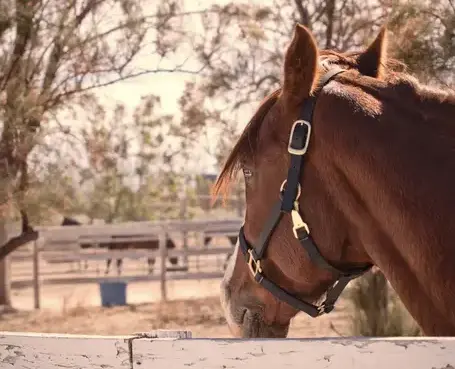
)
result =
(377, 310)
(203, 316)
(363, 309)
(80, 319)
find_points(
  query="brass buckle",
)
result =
(304, 149)
(297, 221)
(321, 309)
(299, 188)
(254, 265)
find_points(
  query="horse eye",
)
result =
(247, 173)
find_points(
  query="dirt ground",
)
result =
(193, 305)
(202, 315)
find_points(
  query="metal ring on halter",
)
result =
(299, 190)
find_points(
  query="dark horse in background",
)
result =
(143, 245)
(147, 245)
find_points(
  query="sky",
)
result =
(168, 86)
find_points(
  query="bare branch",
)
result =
(18, 241)
(67, 94)
(60, 42)
(24, 24)
(5, 24)
(303, 12)
(452, 4)
(330, 11)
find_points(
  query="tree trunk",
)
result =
(5, 267)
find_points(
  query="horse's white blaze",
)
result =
(225, 303)
(229, 272)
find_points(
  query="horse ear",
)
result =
(300, 66)
(373, 60)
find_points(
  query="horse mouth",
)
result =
(254, 326)
(246, 320)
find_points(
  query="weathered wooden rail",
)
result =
(177, 349)
(59, 244)
(60, 257)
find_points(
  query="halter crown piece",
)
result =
(288, 203)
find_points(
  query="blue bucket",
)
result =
(113, 294)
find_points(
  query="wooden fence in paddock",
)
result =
(177, 349)
(60, 244)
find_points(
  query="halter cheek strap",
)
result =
(288, 203)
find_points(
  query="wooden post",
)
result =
(5, 265)
(36, 279)
(183, 216)
(163, 257)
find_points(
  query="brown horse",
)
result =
(370, 165)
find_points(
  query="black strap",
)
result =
(310, 247)
(285, 296)
(335, 291)
(298, 140)
(334, 70)
(268, 229)
(313, 252)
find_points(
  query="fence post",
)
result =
(36, 279)
(183, 217)
(5, 265)
(163, 256)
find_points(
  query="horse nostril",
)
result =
(242, 317)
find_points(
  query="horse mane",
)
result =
(246, 144)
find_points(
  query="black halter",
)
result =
(288, 203)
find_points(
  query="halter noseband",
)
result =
(288, 203)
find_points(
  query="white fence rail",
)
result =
(175, 350)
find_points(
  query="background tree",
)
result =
(119, 173)
(424, 38)
(54, 54)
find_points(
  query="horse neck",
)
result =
(395, 167)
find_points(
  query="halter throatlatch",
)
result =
(289, 203)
